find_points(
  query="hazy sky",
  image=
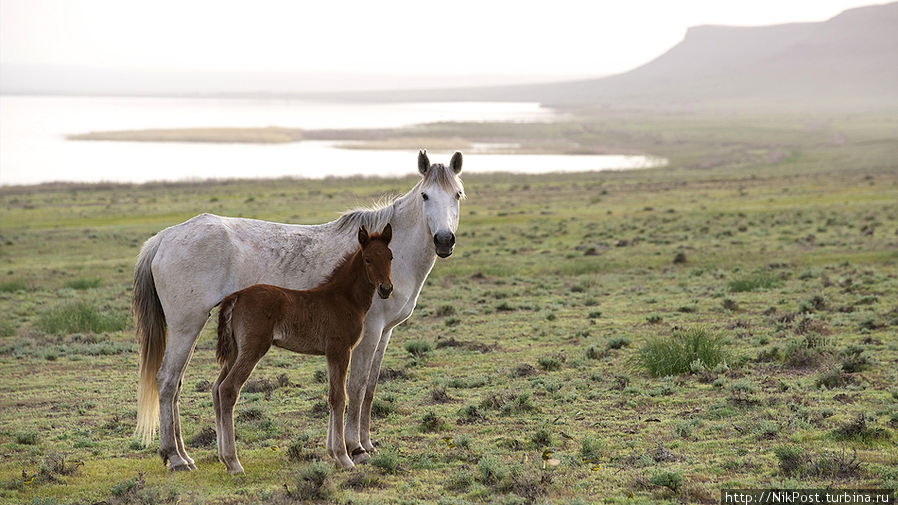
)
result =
(513, 39)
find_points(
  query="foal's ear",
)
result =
(455, 162)
(387, 234)
(363, 236)
(423, 161)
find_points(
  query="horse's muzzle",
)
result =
(444, 243)
(385, 291)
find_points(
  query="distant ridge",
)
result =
(847, 61)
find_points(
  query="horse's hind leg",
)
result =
(176, 416)
(181, 340)
(216, 404)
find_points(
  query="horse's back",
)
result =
(207, 257)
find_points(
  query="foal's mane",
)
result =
(347, 260)
(377, 216)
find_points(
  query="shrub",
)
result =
(311, 482)
(27, 438)
(791, 459)
(12, 286)
(388, 462)
(549, 363)
(676, 355)
(301, 449)
(542, 438)
(82, 284)
(590, 448)
(80, 317)
(618, 342)
(431, 422)
(858, 429)
(670, 480)
(7, 328)
(753, 282)
(445, 310)
(418, 348)
(492, 471)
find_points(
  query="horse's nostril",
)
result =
(444, 239)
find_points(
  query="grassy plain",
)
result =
(779, 237)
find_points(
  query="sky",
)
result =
(353, 44)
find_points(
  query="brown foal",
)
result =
(326, 320)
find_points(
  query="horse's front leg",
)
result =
(368, 399)
(337, 366)
(360, 369)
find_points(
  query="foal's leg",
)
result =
(181, 340)
(358, 382)
(229, 392)
(337, 365)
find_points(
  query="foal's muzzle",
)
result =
(444, 243)
(385, 291)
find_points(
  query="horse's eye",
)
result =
(458, 196)
(367, 260)
(424, 196)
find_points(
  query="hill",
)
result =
(848, 61)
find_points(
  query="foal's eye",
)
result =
(424, 196)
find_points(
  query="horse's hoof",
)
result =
(235, 471)
(369, 447)
(360, 456)
(192, 466)
(180, 468)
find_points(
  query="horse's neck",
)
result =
(413, 242)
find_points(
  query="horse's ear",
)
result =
(387, 234)
(455, 163)
(423, 161)
(363, 236)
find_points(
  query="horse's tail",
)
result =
(149, 320)
(226, 350)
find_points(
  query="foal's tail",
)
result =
(150, 323)
(226, 350)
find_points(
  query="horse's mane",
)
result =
(377, 216)
(374, 217)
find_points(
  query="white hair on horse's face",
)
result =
(441, 191)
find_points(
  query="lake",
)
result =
(33, 147)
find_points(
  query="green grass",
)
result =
(80, 317)
(693, 350)
(528, 339)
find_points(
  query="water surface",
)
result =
(33, 147)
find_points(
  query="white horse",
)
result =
(187, 269)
